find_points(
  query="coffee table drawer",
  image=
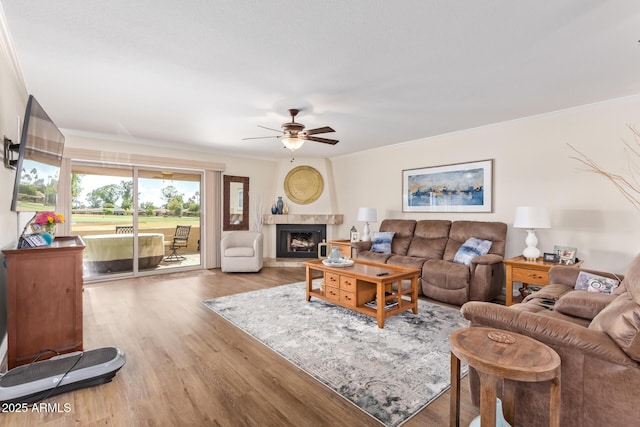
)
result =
(348, 299)
(348, 283)
(332, 279)
(534, 277)
(331, 293)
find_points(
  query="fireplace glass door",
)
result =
(299, 240)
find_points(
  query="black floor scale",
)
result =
(66, 372)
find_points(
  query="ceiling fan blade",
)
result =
(323, 140)
(262, 137)
(325, 129)
(275, 130)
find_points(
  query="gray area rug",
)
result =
(389, 373)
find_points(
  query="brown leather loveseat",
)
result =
(431, 246)
(596, 336)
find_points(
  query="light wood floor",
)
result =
(186, 366)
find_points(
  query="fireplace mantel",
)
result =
(303, 219)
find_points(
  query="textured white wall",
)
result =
(13, 102)
(532, 166)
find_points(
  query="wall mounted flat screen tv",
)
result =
(39, 162)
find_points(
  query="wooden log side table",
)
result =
(518, 269)
(497, 355)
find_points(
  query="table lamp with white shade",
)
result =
(531, 217)
(367, 215)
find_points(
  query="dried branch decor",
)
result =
(629, 187)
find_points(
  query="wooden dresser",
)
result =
(44, 300)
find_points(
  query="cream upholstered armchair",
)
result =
(241, 252)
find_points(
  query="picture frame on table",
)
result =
(35, 227)
(551, 257)
(566, 254)
(355, 236)
(460, 187)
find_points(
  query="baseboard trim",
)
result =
(286, 262)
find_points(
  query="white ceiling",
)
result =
(203, 74)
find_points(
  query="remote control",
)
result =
(382, 274)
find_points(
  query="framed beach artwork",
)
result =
(461, 187)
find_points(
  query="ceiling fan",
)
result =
(293, 134)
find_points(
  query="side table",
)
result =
(344, 246)
(497, 355)
(536, 272)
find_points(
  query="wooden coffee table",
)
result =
(352, 287)
(498, 355)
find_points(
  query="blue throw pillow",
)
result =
(381, 242)
(470, 249)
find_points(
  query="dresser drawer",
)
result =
(331, 293)
(348, 283)
(348, 299)
(332, 279)
(533, 277)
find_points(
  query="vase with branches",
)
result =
(628, 186)
(258, 213)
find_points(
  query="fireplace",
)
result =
(299, 240)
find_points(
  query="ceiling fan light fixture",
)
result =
(292, 143)
(294, 134)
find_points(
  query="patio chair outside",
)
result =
(180, 240)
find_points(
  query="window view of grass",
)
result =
(38, 184)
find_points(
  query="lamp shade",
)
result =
(532, 217)
(368, 214)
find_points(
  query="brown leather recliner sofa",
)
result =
(431, 246)
(596, 336)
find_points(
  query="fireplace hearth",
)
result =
(299, 240)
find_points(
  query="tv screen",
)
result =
(39, 161)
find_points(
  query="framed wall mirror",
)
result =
(236, 203)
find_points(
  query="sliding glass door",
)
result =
(135, 220)
(102, 215)
(169, 203)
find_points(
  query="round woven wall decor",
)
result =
(303, 185)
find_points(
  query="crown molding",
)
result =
(7, 50)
